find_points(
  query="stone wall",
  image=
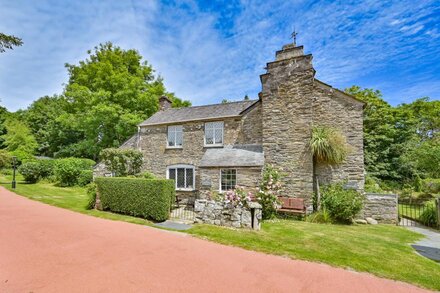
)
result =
(249, 178)
(381, 207)
(334, 109)
(251, 130)
(223, 214)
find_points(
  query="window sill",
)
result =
(213, 146)
(185, 189)
(173, 148)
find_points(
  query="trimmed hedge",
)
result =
(150, 199)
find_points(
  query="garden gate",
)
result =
(415, 213)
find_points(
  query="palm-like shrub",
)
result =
(328, 145)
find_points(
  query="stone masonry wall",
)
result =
(287, 119)
(251, 130)
(381, 207)
(248, 178)
(331, 108)
(223, 214)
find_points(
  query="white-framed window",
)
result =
(214, 133)
(175, 136)
(228, 179)
(183, 176)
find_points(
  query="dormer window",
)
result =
(175, 136)
(214, 133)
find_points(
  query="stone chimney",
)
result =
(164, 103)
(289, 51)
(287, 111)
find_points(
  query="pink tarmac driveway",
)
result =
(49, 249)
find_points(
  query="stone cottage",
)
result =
(210, 149)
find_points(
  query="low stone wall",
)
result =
(381, 207)
(223, 214)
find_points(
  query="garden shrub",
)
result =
(322, 217)
(372, 185)
(91, 193)
(67, 171)
(429, 214)
(144, 198)
(85, 177)
(46, 167)
(417, 183)
(5, 159)
(269, 191)
(22, 157)
(146, 175)
(341, 204)
(431, 185)
(31, 171)
(122, 162)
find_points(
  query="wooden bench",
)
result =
(292, 205)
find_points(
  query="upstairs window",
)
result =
(214, 133)
(228, 179)
(183, 176)
(175, 136)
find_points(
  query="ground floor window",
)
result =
(228, 179)
(183, 176)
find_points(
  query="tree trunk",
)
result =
(316, 185)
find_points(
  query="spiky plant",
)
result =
(328, 145)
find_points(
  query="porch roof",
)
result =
(234, 156)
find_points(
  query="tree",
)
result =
(379, 133)
(8, 42)
(18, 137)
(106, 97)
(41, 116)
(328, 146)
(400, 143)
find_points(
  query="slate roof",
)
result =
(234, 156)
(175, 115)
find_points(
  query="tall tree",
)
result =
(19, 137)
(107, 96)
(8, 42)
(379, 133)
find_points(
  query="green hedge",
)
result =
(144, 198)
(431, 185)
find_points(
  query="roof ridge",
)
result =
(218, 104)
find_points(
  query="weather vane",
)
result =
(293, 35)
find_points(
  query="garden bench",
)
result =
(292, 205)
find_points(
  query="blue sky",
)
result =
(210, 50)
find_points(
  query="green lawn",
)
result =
(72, 198)
(382, 250)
